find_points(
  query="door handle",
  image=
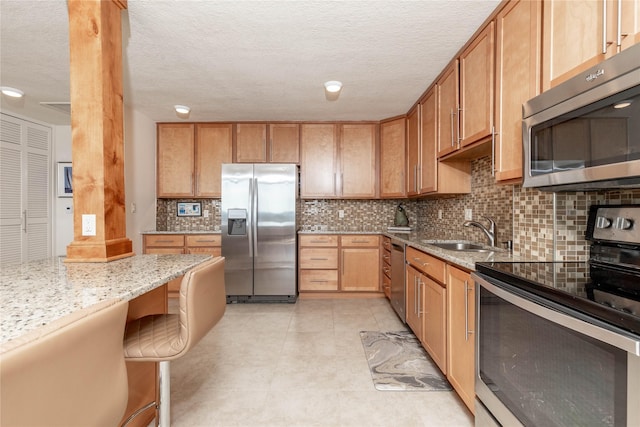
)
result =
(255, 217)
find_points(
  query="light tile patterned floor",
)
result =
(298, 365)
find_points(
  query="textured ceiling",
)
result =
(249, 60)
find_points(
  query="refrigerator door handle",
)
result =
(254, 224)
(250, 219)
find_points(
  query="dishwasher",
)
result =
(397, 279)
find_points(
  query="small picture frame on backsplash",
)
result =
(189, 208)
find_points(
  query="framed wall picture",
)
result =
(189, 209)
(65, 179)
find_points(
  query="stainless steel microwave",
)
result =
(584, 134)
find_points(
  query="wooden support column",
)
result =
(97, 141)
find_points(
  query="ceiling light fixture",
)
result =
(12, 92)
(182, 111)
(623, 104)
(332, 89)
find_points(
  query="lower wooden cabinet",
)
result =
(414, 301)
(181, 244)
(427, 304)
(434, 329)
(461, 334)
(332, 263)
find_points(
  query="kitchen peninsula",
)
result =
(38, 297)
(38, 293)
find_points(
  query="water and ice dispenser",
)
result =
(237, 222)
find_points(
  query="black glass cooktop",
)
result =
(570, 284)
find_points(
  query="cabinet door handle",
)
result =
(452, 135)
(467, 288)
(620, 35)
(319, 259)
(162, 241)
(419, 297)
(205, 241)
(604, 27)
(318, 281)
(359, 241)
(415, 294)
(459, 138)
(319, 241)
(493, 150)
(24, 214)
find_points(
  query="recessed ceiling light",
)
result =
(333, 86)
(623, 104)
(12, 92)
(182, 109)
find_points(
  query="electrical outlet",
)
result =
(468, 214)
(88, 224)
(439, 213)
(133, 208)
(206, 213)
(341, 214)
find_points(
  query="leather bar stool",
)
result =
(165, 337)
(71, 373)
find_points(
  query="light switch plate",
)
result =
(88, 224)
(468, 214)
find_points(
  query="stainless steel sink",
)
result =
(460, 246)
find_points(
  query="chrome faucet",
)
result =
(490, 233)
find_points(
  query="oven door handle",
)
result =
(619, 340)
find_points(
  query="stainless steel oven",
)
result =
(558, 343)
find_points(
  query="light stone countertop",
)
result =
(421, 241)
(181, 232)
(34, 294)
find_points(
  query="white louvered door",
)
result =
(25, 190)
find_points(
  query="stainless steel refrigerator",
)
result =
(259, 231)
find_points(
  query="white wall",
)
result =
(62, 207)
(140, 175)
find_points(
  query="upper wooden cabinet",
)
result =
(251, 143)
(429, 142)
(175, 156)
(450, 177)
(338, 160)
(518, 54)
(579, 34)
(447, 101)
(476, 88)
(190, 158)
(274, 143)
(358, 160)
(392, 158)
(318, 148)
(284, 143)
(413, 152)
(213, 148)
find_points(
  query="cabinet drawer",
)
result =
(386, 285)
(360, 240)
(164, 240)
(386, 243)
(432, 266)
(318, 280)
(204, 240)
(318, 240)
(320, 258)
(164, 250)
(386, 269)
(386, 257)
(213, 251)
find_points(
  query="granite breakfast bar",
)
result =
(36, 296)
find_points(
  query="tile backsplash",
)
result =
(542, 225)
